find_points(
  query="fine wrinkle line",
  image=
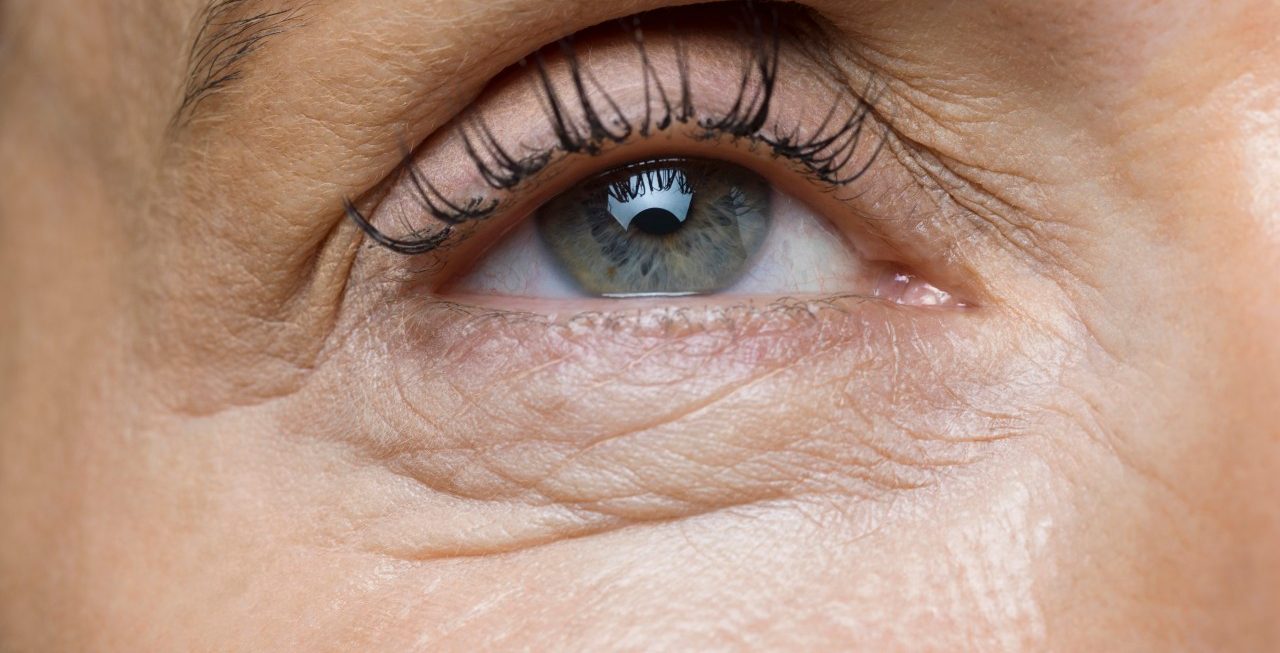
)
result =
(611, 524)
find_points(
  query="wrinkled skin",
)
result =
(224, 428)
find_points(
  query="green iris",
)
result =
(665, 227)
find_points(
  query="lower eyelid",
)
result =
(524, 394)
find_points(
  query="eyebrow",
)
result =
(228, 33)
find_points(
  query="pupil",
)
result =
(657, 222)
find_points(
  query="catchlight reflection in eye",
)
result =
(669, 227)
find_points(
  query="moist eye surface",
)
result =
(662, 227)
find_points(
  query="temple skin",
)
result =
(231, 424)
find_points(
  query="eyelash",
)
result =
(822, 154)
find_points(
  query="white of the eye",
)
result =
(673, 200)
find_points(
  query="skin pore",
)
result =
(231, 422)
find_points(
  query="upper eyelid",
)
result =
(826, 151)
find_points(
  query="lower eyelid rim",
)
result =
(643, 318)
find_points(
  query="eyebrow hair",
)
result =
(228, 32)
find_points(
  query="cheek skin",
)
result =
(798, 478)
(557, 430)
(761, 577)
(796, 493)
(1262, 160)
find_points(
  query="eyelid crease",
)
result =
(582, 123)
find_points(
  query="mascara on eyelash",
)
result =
(582, 125)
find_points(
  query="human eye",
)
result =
(667, 228)
(650, 160)
(824, 318)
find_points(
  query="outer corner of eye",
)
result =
(908, 289)
(682, 227)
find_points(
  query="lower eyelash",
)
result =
(582, 126)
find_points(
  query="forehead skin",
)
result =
(180, 286)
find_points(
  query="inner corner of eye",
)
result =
(674, 227)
